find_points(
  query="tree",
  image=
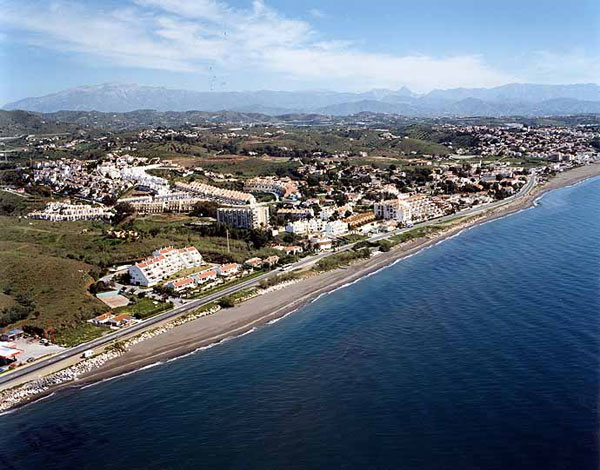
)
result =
(226, 302)
(123, 210)
(205, 209)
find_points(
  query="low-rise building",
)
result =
(296, 214)
(335, 228)
(205, 276)
(408, 210)
(321, 244)
(357, 220)
(254, 262)
(214, 193)
(289, 250)
(63, 211)
(184, 283)
(101, 320)
(228, 269)
(124, 319)
(283, 187)
(271, 260)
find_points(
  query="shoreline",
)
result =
(211, 330)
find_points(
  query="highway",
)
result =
(69, 354)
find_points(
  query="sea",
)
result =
(481, 352)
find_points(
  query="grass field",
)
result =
(144, 308)
(56, 287)
(52, 264)
(81, 333)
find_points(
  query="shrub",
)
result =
(226, 302)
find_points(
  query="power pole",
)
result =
(227, 231)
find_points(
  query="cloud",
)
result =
(564, 67)
(194, 35)
(316, 13)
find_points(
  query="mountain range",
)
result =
(507, 100)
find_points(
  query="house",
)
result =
(254, 263)
(289, 250)
(12, 335)
(228, 269)
(321, 244)
(101, 320)
(181, 284)
(271, 260)
(205, 276)
(124, 319)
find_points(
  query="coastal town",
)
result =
(165, 221)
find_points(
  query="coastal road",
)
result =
(43, 367)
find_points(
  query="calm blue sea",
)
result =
(479, 353)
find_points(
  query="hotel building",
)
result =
(244, 217)
(164, 263)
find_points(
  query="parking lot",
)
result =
(32, 348)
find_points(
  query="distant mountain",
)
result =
(512, 99)
(520, 93)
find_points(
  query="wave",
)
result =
(12, 410)
(124, 374)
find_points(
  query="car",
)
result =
(30, 359)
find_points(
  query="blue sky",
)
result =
(224, 45)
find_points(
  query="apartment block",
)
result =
(164, 263)
(224, 196)
(244, 217)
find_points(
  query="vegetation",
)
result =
(273, 281)
(226, 302)
(45, 291)
(342, 259)
(81, 333)
(144, 308)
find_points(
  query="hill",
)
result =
(14, 123)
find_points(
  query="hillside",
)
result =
(14, 123)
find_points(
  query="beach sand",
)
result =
(263, 309)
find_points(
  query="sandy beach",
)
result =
(265, 308)
(260, 310)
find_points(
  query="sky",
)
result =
(341, 45)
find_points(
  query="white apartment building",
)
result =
(164, 263)
(228, 269)
(335, 228)
(139, 177)
(244, 217)
(158, 207)
(389, 210)
(224, 196)
(60, 211)
(409, 210)
(306, 227)
(296, 214)
(283, 187)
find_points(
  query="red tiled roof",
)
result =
(210, 272)
(183, 282)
